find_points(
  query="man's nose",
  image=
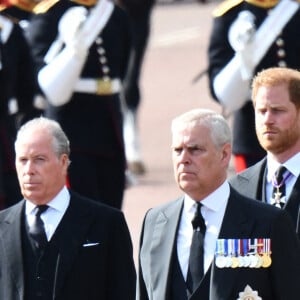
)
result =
(29, 167)
(185, 156)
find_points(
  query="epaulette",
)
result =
(2, 7)
(85, 2)
(263, 3)
(44, 6)
(226, 5)
(26, 5)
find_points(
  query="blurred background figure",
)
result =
(81, 63)
(21, 11)
(245, 39)
(139, 12)
(17, 85)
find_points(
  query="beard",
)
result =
(280, 141)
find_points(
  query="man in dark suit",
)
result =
(276, 99)
(250, 249)
(56, 244)
(235, 26)
(81, 63)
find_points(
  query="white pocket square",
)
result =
(90, 244)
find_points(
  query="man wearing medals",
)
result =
(243, 246)
(247, 37)
(276, 100)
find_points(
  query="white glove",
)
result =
(68, 28)
(230, 88)
(77, 30)
(232, 84)
(241, 36)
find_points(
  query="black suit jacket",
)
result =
(103, 271)
(251, 183)
(244, 218)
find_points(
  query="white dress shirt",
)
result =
(292, 165)
(53, 215)
(213, 210)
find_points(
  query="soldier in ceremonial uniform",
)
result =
(242, 43)
(81, 52)
(139, 12)
(17, 85)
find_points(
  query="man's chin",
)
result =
(274, 148)
(30, 195)
(186, 186)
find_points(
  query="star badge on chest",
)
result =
(249, 294)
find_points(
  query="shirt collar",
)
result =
(214, 201)
(291, 164)
(59, 203)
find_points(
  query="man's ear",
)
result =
(226, 153)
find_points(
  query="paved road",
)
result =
(176, 54)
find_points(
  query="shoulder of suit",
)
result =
(45, 5)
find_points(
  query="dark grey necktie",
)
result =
(278, 182)
(196, 269)
(37, 230)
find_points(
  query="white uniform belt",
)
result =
(98, 86)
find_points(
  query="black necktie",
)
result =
(37, 230)
(195, 269)
(278, 182)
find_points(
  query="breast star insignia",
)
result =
(249, 294)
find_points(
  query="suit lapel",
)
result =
(70, 236)
(11, 240)
(250, 184)
(162, 246)
(293, 205)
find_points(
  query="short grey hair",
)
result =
(60, 142)
(219, 129)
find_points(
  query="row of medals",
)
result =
(256, 253)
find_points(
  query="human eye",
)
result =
(261, 111)
(22, 160)
(39, 159)
(277, 110)
(195, 149)
(177, 150)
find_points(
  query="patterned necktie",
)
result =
(196, 270)
(278, 182)
(37, 230)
